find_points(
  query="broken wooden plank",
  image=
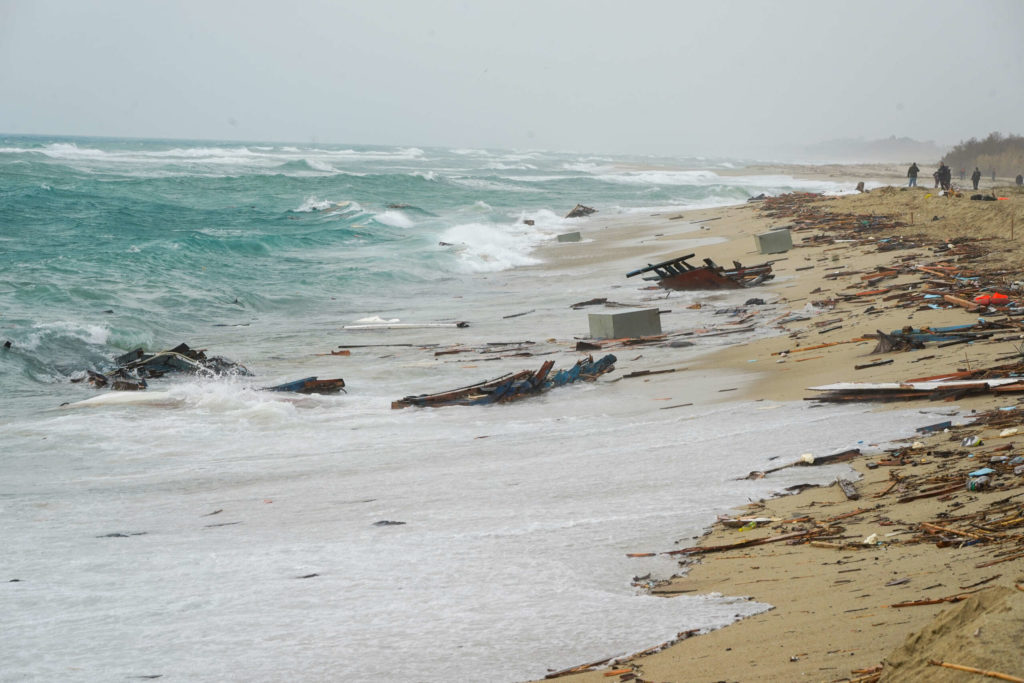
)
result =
(876, 364)
(932, 494)
(971, 669)
(645, 373)
(699, 550)
(848, 489)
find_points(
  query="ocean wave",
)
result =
(316, 158)
(500, 166)
(318, 165)
(522, 156)
(491, 247)
(545, 178)
(47, 333)
(769, 184)
(478, 183)
(400, 154)
(394, 218)
(586, 167)
(313, 204)
(544, 220)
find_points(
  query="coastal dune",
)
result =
(895, 582)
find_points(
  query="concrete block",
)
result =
(773, 242)
(569, 237)
(638, 322)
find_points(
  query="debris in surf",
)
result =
(513, 386)
(403, 326)
(137, 366)
(579, 211)
(311, 385)
(678, 274)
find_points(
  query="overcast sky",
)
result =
(672, 76)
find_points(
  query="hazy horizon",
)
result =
(658, 78)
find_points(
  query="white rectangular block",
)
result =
(774, 242)
(639, 322)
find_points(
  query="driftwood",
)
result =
(700, 550)
(934, 601)
(971, 669)
(931, 494)
(848, 489)
(842, 456)
(580, 668)
(645, 373)
(820, 346)
(1004, 559)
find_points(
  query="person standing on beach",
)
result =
(976, 177)
(912, 174)
(944, 175)
(963, 173)
(1020, 180)
(993, 175)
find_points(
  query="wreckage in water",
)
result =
(513, 386)
(311, 385)
(679, 274)
(135, 367)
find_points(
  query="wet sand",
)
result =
(841, 567)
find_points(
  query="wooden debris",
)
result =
(934, 601)
(848, 489)
(704, 549)
(983, 672)
(646, 373)
(580, 668)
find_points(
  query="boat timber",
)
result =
(513, 386)
(679, 274)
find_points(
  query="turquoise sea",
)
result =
(112, 244)
(231, 534)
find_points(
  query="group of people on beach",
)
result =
(944, 176)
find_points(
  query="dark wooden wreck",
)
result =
(310, 385)
(678, 273)
(513, 386)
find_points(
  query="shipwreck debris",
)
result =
(386, 325)
(136, 366)
(310, 385)
(678, 274)
(580, 211)
(513, 386)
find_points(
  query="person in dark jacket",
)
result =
(945, 176)
(912, 174)
(976, 177)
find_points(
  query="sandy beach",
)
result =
(905, 572)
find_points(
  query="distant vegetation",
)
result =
(1003, 154)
